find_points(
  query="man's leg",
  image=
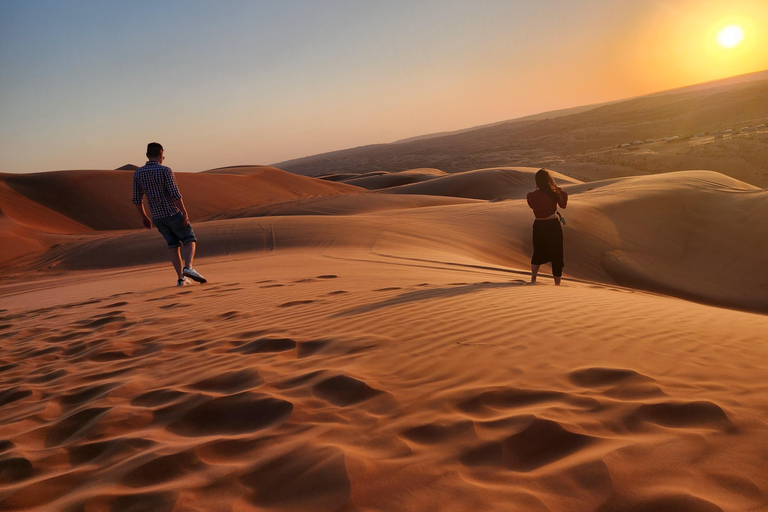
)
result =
(188, 253)
(176, 261)
(534, 272)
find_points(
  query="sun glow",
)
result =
(730, 36)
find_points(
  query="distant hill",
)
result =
(583, 142)
(127, 167)
(552, 114)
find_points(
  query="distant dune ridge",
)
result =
(369, 340)
(586, 144)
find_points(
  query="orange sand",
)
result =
(382, 351)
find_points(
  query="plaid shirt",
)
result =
(159, 184)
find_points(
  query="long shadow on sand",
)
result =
(421, 295)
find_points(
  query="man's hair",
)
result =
(154, 149)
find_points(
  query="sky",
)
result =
(87, 84)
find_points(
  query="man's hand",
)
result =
(185, 221)
(147, 222)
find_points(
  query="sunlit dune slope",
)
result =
(691, 234)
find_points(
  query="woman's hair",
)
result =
(546, 183)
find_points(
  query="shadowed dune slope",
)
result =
(241, 169)
(379, 181)
(691, 234)
(496, 183)
(101, 200)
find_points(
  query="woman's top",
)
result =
(543, 205)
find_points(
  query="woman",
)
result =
(547, 233)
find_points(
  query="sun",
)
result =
(730, 36)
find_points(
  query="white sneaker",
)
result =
(183, 282)
(192, 274)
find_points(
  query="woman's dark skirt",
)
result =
(548, 244)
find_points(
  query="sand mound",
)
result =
(377, 181)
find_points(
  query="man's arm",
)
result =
(138, 195)
(180, 205)
(146, 220)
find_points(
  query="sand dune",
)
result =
(341, 205)
(382, 350)
(36, 207)
(682, 234)
(381, 180)
(102, 199)
(496, 183)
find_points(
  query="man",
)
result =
(168, 212)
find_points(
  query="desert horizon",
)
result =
(368, 329)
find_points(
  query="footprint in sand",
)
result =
(75, 426)
(227, 415)
(618, 383)
(265, 345)
(158, 470)
(157, 398)
(541, 443)
(662, 502)
(115, 305)
(109, 356)
(102, 320)
(13, 394)
(155, 501)
(488, 404)
(309, 477)
(15, 469)
(103, 451)
(48, 376)
(439, 432)
(229, 382)
(343, 391)
(8, 367)
(295, 303)
(673, 414)
(85, 394)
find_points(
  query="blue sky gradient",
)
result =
(86, 84)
